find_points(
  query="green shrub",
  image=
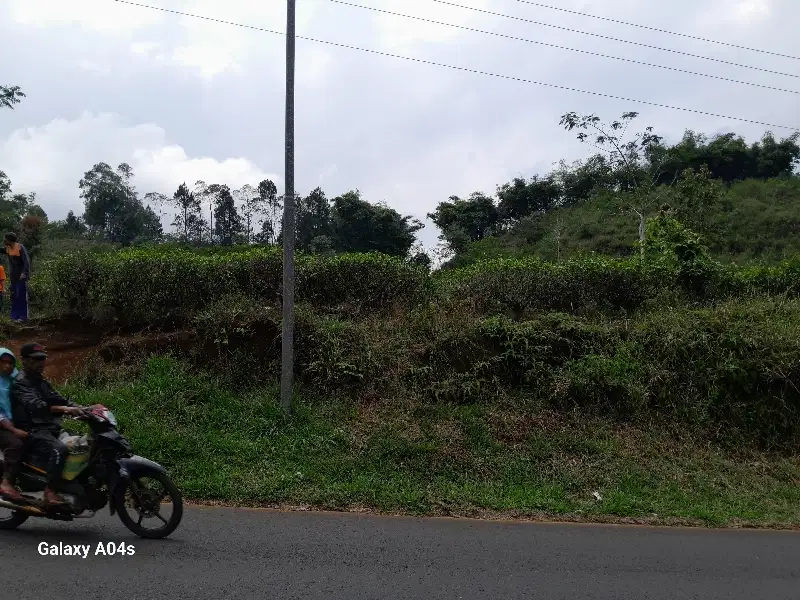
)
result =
(155, 286)
(242, 342)
(521, 286)
(732, 371)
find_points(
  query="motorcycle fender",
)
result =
(128, 467)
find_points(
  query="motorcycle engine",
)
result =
(96, 498)
(74, 504)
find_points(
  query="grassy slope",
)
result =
(756, 220)
(507, 458)
(417, 459)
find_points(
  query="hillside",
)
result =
(570, 377)
(753, 221)
(660, 389)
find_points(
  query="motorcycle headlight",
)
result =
(111, 418)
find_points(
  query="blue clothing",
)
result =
(19, 300)
(5, 388)
(18, 261)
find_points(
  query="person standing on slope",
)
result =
(20, 266)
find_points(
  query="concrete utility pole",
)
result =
(287, 337)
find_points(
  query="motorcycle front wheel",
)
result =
(148, 503)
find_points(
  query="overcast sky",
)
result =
(182, 99)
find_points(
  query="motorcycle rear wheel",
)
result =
(12, 520)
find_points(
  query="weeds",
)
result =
(419, 458)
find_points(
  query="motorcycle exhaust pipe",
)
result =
(21, 507)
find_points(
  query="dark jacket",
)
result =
(18, 262)
(31, 399)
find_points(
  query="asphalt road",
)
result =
(228, 553)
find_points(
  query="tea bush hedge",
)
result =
(154, 286)
(634, 338)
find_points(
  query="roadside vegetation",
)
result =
(615, 339)
(493, 459)
(663, 387)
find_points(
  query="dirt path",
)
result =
(68, 348)
(70, 345)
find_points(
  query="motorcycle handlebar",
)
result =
(84, 415)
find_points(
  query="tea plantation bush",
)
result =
(711, 347)
(157, 287)
(520, 287)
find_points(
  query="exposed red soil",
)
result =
(67, 347)
(71, 345)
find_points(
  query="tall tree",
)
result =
(21, 214)
(252, 206)
(313, 219)
(268, 192)
(32, 233)
(521, 198)
(104, 192)
(188, 220)
(227, 221)
(729, 158)
(151, 229)
(697, 196)
(5, 186)
(207, 200)
(359, 226)
(463, 221)
(157, 201)
(633, 163)
(73, 225)
(10, 95)
(113, 207)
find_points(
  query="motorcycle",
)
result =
(100, 470)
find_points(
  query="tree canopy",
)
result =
(629, 176)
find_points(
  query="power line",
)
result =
(685, 35)
(464, 69)
(530, 41)
(606, 37)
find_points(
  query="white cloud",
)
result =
(751, 9)
(207, 47)
(98, 15)
(93, 67)
(145, 48)
(722, 18)
(213, 48)
(399, 33)
(51, 159)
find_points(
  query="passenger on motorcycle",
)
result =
(37, 408)
(11, 438)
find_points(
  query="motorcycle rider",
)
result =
(11, 438)
(37, 408)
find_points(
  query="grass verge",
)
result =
(435, 459)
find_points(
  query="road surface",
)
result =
(220, 553)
